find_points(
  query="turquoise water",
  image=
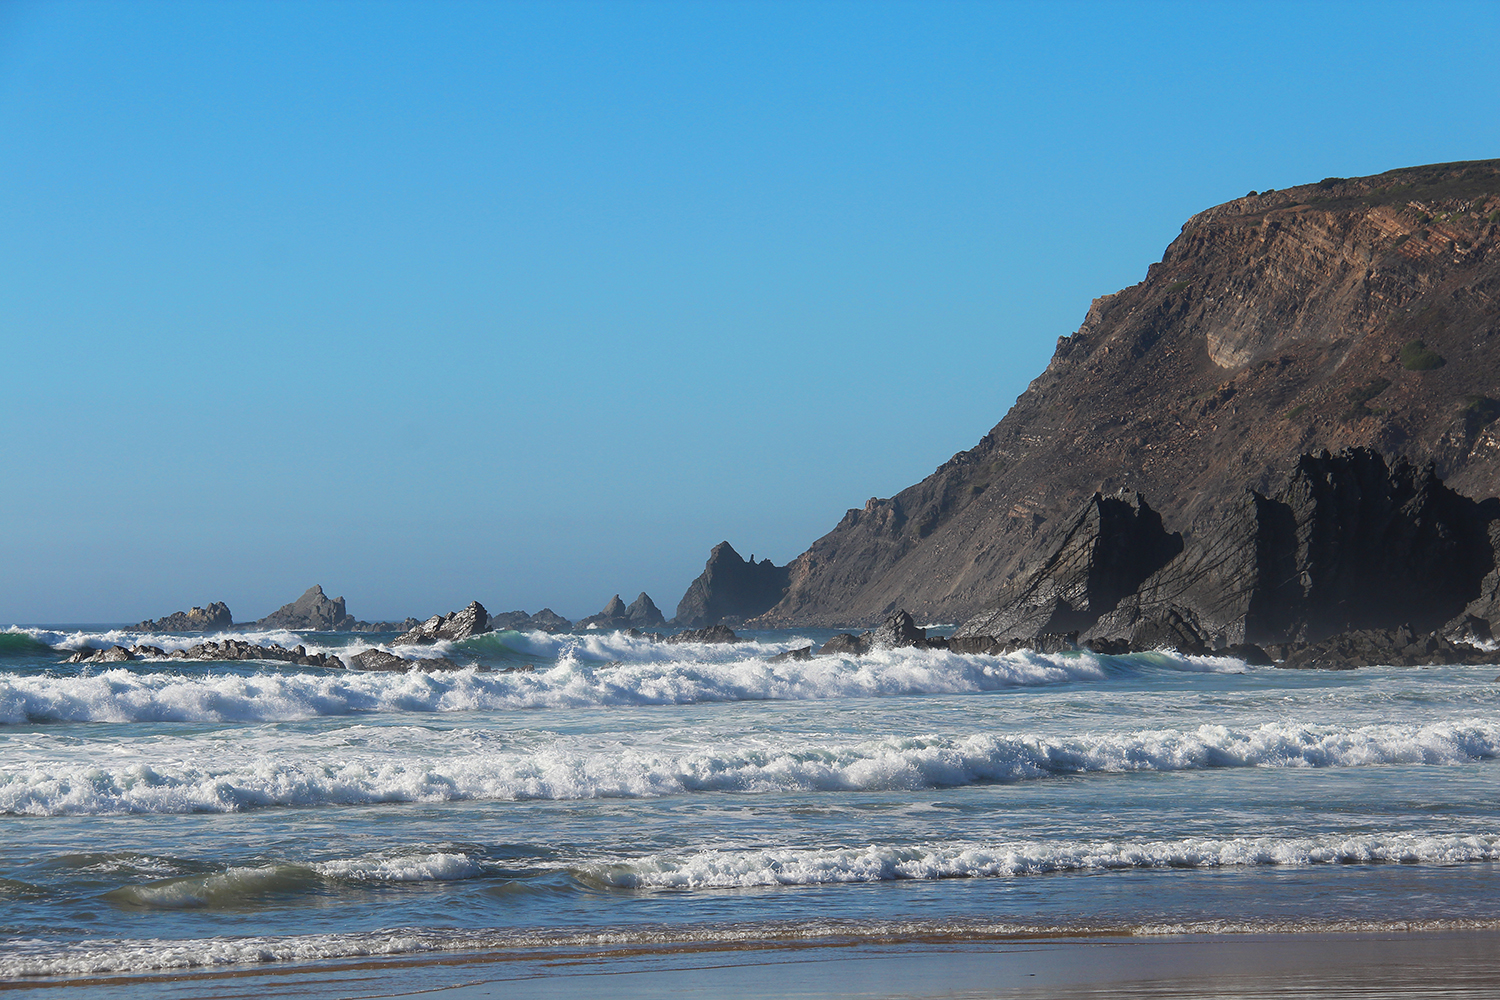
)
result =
(606, 790)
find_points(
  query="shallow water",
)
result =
(174, 815)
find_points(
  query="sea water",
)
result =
(609, 792)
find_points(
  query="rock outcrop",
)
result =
(713, 633)
(730, 590)
(379, 659)
(314, 611)
(229, 649)
(1274, 326)
(1399, 647)
(642, 613)
(214, 618)
(1112, 546)
(455, 625)
(1349, 544)
(545, 620)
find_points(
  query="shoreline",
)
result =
(1448, 962)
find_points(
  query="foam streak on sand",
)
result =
(563, 768)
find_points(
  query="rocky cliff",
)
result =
(214, 618)
(1347, 313)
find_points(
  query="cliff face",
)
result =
(1348, 313)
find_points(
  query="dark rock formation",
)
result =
(229, 649)
(379, 659)
(846, 643)
(730, 589)
(453, 626)
(405, 625)
(1271, 328)
(791, 655)
(1348, 544)
(896, 631)
(214, 618)
(643, 613)
(614, 616)
(1113, 545)
(714, 633)
(1399, 647)
(312, 612)
(545, 620)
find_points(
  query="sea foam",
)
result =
(576, 769)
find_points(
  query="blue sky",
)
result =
(534, 303)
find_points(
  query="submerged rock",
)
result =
(791, 655)
(455, 625)
(847, 644)
(228, 649)
(214, 618)
(1398, 647)
(379, 659)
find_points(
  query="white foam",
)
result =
(462, 765)
(740, 869)
(122, 695)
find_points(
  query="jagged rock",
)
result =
(1252, 654)
(378, 659)
(1399, 647)
(214, 618)
(1106, 646)
(613, 616)
(643, 613)
(730, 589)
(229, 649)
(714, 633)
(1469, 630)
(1169, 628)
(405, 625)
(1113, 545)
(1486, 606)
(545, 620)
(896, 631)
(455, 625)
(314, 611)
(846, 643)
(790, 655)
(1349, 543)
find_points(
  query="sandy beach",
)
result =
(1448, 964)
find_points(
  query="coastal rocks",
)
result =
(404, 625)
(714, 633)
(896, 631)
(1113, 544)
(847, 644)
(314, 611)
(229, 649)
(545, 620)
(1399, 647)
(379, 659)
(642, 613)
(455, 625)
(730, 589)
(792, 655)
(214, 618)
(1349, 544)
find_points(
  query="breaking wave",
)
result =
(564, 770)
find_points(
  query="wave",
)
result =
(25, 959)
(245, 885)
(567, 770)
(15, 642)
(725, 869)
(122, 695)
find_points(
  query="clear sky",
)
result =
(534, 303)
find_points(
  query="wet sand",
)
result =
(1399, 965)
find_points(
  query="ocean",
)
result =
(607, 795)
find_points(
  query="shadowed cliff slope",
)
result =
(1348, 313)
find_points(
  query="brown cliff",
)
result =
(1347, 313)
